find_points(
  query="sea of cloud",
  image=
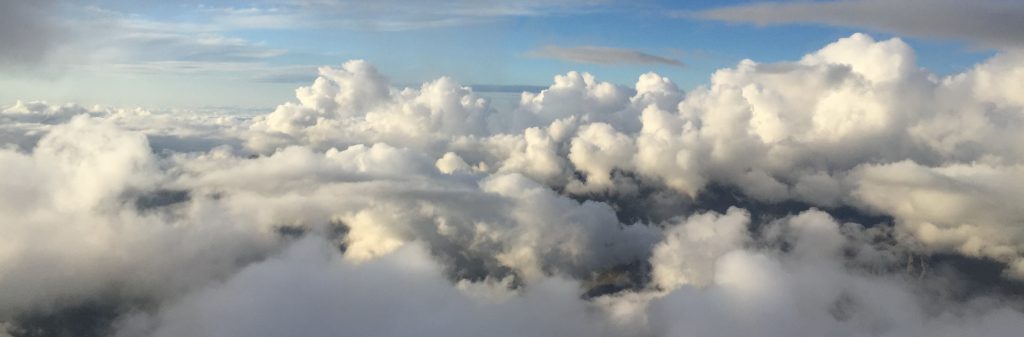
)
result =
(848, 193)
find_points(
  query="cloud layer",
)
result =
(849, 192)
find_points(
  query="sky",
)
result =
(250, 54)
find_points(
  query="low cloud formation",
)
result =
(602, 55)
(849, 192)
(990, 23)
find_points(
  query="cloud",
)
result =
(990, 23)
(397, 295)
(28, 32)
(687, 254)
(963, 207)
(105, 40)
(115, 37)
(602, 55)
(804, 293)
(777, 132)
(81, 180)
(390, 15)
(847, 192)
(807, 292)
(285, 74)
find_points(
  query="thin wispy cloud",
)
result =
(285, 74)
(123, 37)
(989, 23)
(106, 40)
(390, 15)
(602, 55)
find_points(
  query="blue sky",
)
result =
(254, 53)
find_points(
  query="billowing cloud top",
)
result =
(846, 193)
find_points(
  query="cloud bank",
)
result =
(847, 193)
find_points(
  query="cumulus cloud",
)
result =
(602, 55)
(849, 192)
(73, 209)
(991, 23)
(967, 208)
(688, 253)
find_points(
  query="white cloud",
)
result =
(73, 209)
(309, 290)
(966, 208)
(688, 253)
(369, 209)
(787, 131)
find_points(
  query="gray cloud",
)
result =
(286, 74)
(602, 55)
(27, 31)
(990, 23)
